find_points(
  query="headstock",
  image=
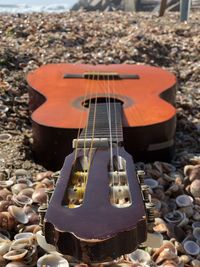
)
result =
(96, 214)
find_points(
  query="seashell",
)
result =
(157, 203)
(19, 244)
(39, 196)
(5, 137)
(4, 246)
(3, 109)
(188, 211)
(195, 263)
(191, 247)
(158, 166)
(174, 217)
(184, 222)
(18, 187)
(168, 178)
(52, 261)
(195, 188)
(185, 258)
(22, 200)
(160, 228)
(184, 201)
(167, 246)
(140, 256)
(21, 172)
(7, 221)
(26, 192)
(195, 224)
(166, 254)
(16, 264)
(26, 235)
(170, 263)
(34, 218)
(168, 168)
(151, 183)
(40, 176)
(193, 172)
(16, 254)
(43, 244)
(6, 184)
(34, 228)
(18, 213)
(196, 216)
(4, 204)
(4, 194)
(196, 232)
(25, 180)
(49, 183)
(4, 234)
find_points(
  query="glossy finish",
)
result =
(56, 104)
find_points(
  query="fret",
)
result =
(102, 125)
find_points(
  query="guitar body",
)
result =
(57, 106)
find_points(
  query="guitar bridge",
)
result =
(101, 76)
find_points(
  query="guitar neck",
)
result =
(104, 121)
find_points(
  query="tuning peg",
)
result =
(49, 194)
(55, 177)
(141, 175)
(42, 211)
(145, 192)
(150, 215)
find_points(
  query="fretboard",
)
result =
(106, 124)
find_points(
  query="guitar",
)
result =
(57, 102)
(100, 208)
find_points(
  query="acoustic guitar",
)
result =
(59, 94)
(100, 208)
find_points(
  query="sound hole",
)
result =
(120, 196)
(101, 100)
(74, 194)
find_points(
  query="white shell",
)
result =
(184, 201)
(18, 214)
(191, 247)
(16, 254)
(52, 260)
(4, 246)
(43, 244)
(140, 256)
(5, 137)
(7, 183)
(25, 235)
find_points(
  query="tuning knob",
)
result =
(49, 194)
(42, 211)
(150, 216)
(141, 175)
(145, 193)
(55, 177)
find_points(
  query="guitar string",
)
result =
(86, 131)
(116, 129)
(81, 119)
(93, 127)
(104, 87)
(110, 132)
(116, 136)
